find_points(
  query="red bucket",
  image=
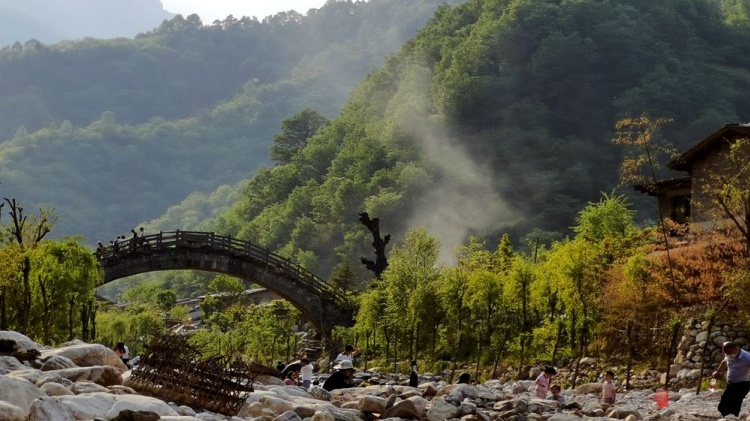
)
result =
(661, 397)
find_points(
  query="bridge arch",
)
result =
(321, 303)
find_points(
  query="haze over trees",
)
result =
(498, 117)
(51, 21)
(114, 132)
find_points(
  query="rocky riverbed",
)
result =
(80, 381)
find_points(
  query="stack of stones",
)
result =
(689, 354)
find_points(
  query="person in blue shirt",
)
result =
(736, 363)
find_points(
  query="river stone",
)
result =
(122, 390)
(130, 415)
(22, 341)
(467, 408)
(288, 416)
(428, 389)
(421, 404)
(69, 408)
(139, 403)
(319, 393)
(441, 410)
(19, 392)
(402, 409)
(458, 392)
(9, 363)
(322, 416)
(277, 405)
(587, 388)
(10, 412)
(52, 379)
(623, 413)
(102, 375)
(88, 387)
(58, 362)
(55, 389)
(374, 404)
(564, 417)
(350, 405)
(88, 355)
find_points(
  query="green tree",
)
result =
(296, 131)
(726, 186)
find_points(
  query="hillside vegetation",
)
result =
(113, 132)
(497, 117)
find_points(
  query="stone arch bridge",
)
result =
(323, 304)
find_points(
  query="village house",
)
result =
(684, 199)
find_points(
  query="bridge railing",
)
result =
(213, 242)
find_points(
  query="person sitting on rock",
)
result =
(123, 352)
(342, 378)
(291, 378)
(557, 396)
(464, 378)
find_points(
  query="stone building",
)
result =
(683, 199)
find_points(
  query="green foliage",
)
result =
(115, 132)
(296, 131)
(526, 91)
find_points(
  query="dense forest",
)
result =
(497, 117)
(113, 132)
(483, 145)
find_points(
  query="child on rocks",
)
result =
(609, 391)
(543, 381)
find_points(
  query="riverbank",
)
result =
(80, 381)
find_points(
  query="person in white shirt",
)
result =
(306, 372)
(123, 352)
(349, 353)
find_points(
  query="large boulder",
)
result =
(374, 404)
(101, 375)
(88, 355)
(403, 409)
(19, 392)
(442, 410)
(139, 403)
(23, 343)
(587, 388)
(55, 389)
(277, 405)
(70, 408)
(58, 362)
(10, 412)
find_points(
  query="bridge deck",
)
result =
(211, 242)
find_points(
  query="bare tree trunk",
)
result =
(71, 306)
(3, 312)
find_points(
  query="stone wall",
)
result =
(695, 337)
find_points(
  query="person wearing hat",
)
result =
(736, 363)
(342, 378)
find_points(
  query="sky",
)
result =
(210, 10)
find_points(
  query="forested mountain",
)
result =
(498, 117)
(113, 132)
(57, 20)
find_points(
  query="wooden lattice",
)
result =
(174, 370)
